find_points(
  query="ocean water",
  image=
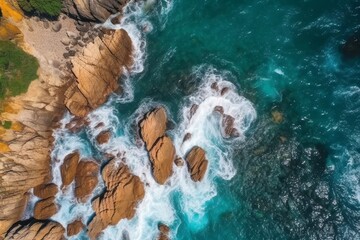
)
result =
(298, 179)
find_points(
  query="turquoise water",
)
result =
(278, 55)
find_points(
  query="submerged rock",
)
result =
(86, 179)
(351, 48)
(33, 230)
(69, 167)
(123, 192)
(74, 228)
(97, 70)
(197, 163)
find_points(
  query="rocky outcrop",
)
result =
(153, 126)
(197, 163)
(123, 192)
(160, 147)
(45, 209)
(46, 190)
(97, 70)
(86, 179)
(69, 167)
(94, 10)
(74, 228)
(36, 230)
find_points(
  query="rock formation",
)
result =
(123, 192)
(45, 209)
(86, 179)
(97, 70)
(74, 228)
(46, 190)
(69, 167)
(197, 163)
(103, 137)
(33, 229)
(160, 147)
(94, 10)
(164, 232)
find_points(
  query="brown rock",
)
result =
(224, 91)
(45, 209)
(228, 125)
(103, 137)
(36, 230)
(197, 163)
(123, 192)
(46, 190)
(215, 86)
(179, 161)
(74, 228)
(68, 168)
(164, 232)
(86, 179)
(277, 117)
(153, 126)
(96, 76)
(162, 157)
(219, 109)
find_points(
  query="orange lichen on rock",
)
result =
(9, 11)
(4, 148)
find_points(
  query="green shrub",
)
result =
(50, 8)
(17, 69)
(6, 124)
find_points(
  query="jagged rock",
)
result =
(46, 190)
(215, 86)
(94, 10)
(74, 228)
(179, 161)
(351, 47)
(193, 109)
(123, 192)
(219, 109)
(103, 137)
(164, 232)
(153, 126)
(228, 125)
(197, 163)
(86, 179)
(224, 91)
(45, 209)
(162, 157)
(96, 76)
(277, 117)
(36, 230)
(69, 167)
(187, 137)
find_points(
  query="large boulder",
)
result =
(103, 137)
(97, 70)
(45, 209)
(74, 228)
(153, 126)
(162, 157)
(69, 167)
(94, 10)
(86, 179)
(36, 230)
(197, 163)
(122, 194)
(45, 190)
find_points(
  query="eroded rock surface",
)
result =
(94, 10)
(36, 230)
(164, 232)
(160, 147)
(197, 163)
(103, 137)
(74, 228)
(46, 190)
(123, 192)
(86, 179)
(97, 70)
(45, 209)
(69, 167)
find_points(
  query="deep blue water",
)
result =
(282, 56)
